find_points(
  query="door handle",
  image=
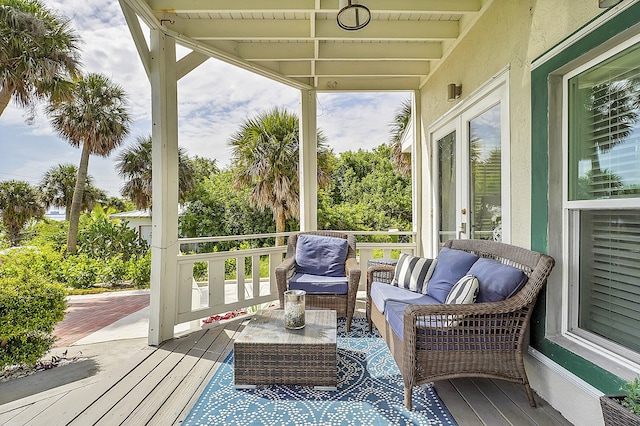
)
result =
(463, 229)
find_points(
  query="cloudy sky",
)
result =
(213, 100)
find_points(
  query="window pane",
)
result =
(484, 148)
(604, 133)
(447, 185)
(610, 275)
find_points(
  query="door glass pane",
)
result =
(485, 175)
(604, 129)
(447, 185)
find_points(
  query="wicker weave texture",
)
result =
(343, 304)
(266, 353)
(615, 414)
(473, 340)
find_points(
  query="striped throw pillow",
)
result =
(464, 291)
(412, 273)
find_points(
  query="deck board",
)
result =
(482, 406)
(174, 410)
(160, 385)
(456, 404)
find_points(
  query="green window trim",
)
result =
(582, 368)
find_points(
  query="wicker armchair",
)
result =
(343, 304)
(474, 340)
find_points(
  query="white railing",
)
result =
(215, 294)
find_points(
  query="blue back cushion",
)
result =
(320, 255)
(451, 266)
(497, 280)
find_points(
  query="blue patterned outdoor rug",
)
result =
(370, 392)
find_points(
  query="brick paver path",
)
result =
(87, 315)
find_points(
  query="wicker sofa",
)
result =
(432, 341)
(336, 293)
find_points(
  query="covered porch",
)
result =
(486, 79)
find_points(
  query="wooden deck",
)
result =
(158, 386)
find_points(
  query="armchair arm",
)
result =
(283, 271)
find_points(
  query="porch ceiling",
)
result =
(298, 42)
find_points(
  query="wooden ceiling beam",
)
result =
(259, 29)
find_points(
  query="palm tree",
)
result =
(134, 165)
(399, 126)
(96, 120)
(18, 204)
(39, 54)
(57, 185)
(265, 157)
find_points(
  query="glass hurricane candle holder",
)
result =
(294, 309)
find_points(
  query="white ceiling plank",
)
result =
(257, 29)
(381, 51)
(371, 68)
(241, 29)
(279, 51)
(391, 30)
(378, 6)
(276, 51)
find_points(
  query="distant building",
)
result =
(138, 220)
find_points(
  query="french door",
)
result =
(470, 166)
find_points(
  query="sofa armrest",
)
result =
(380, 273)
(425, 326)
(284, 272)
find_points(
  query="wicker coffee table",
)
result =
(266, 353)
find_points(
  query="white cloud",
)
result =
(214, 100)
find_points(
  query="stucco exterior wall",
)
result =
(510, 33)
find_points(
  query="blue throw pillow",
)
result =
(320, 255)
(497, 280)
(451, 265)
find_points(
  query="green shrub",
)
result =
(79, 271)
(200, 271)
(102, 238)
(140, 270)
(43, 261)
(114, 271)
(632, 399)
(30, 307)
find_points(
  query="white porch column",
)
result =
(308, 162)
(416, 171)
(164, 245)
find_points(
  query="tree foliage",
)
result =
(134, 165)
(39, 55)
(366, 193)
(265, 157)
(57, 186)
(398, 131)
(97, 120)
(215, 208)
(19, 204)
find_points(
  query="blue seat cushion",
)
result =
(319, 284)
(497, 281)
(450, 267)
(382, 293)
(320, 255)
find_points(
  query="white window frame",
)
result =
(570, 234)
(493, 92)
